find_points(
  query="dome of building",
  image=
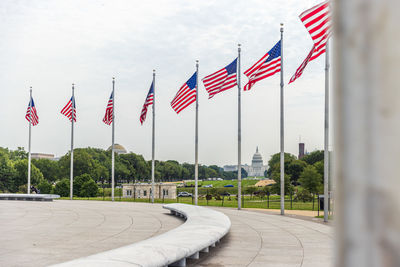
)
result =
(119, 149)
(257, 159)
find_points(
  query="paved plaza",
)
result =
(44, 233)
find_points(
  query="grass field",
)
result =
(216, 184)
(248, 202)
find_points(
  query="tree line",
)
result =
(92, 166)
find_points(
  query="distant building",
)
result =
(257, 167)
(119, 149)
(301, 150)
(42, 156)
(143, 190)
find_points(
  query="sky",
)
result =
(51, 44)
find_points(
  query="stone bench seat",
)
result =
(29, 197)
(203, 229)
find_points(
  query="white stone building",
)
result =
(143, 190)
(257, 167)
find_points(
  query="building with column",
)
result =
(257, 167)
(143, 190)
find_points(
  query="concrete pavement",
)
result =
(43, 233)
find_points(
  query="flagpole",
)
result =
(71, 181)
(112, 146)
(282, 134)
(239, 136)
(153, 143)
(29, 144)
(196, 157)
(326, 137)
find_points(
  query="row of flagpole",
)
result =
(180, 102)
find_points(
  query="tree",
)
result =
(89, 189)
(49, 169)
(310, 179)
(20, 153)
(45, 187)
(21, 176)
(7, 173)
(62, 188)
(276, 176)
(276, 159)
(79, 181)
(295, 168)
(313, 157)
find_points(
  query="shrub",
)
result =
(78, 182)
(89, 189)
(62, 188)
(44, 187)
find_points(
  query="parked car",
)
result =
(229, 185)
(184, 194)
(225, 194)
(208, 185)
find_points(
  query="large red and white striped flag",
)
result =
(148, 102)
(69, 107)
(267, 66)
(186, 95)
(108, 117)
(317, 21)
(221, 80)
(31, 114)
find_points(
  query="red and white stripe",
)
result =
(317, 21)
(31, 115)
(147, 102)
(219, 81)
(261, 70)
(108, 117)
(67, 110)
(183, 98)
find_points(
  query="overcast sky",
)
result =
(51, 44)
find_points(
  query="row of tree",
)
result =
(93, 163)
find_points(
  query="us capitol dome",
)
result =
(256, 169)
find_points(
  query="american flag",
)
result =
(221, 80)
(31, 114)
(147, 102)
(66, 111)
(317, 21)
(108, 117)
(267, 66)
(186, 95)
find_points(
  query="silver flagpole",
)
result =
(29, 144)
(153, 143)
(112, 146)
(326, 137)
(196, 156)
(282, 134)
(71, 179)
(239, 135)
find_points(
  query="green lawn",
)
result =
(216, 184)
(248, 202)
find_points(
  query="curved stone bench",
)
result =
(203, 228)
(29, 197)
